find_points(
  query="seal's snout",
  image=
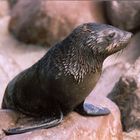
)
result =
(128, 35)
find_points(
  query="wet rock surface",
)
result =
(47, 22)
(124, 14)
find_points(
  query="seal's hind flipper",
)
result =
(44, 124)
(91, 110)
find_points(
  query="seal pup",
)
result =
(61, 80)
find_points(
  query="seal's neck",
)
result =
(80, 61)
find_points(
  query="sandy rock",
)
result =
(47, 22)
(124, 14)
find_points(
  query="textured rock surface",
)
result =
(124, 14)
(126, 94)
(46, 22)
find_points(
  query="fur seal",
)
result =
(61, 80)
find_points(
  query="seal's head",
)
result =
(101, 38)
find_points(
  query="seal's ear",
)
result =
(85, 29)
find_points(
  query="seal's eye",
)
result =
(111, 35)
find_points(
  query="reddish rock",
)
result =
(77, 127)
(47, 22)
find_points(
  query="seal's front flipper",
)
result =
(43, 124)
(91, 110)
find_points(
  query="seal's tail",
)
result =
(43, 125)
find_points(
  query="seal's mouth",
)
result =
(119, 44)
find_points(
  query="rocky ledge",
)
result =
(74, 126)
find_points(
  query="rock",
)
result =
(47, 22)
(4, 9)
(124, 14)
(9, 117)
(77, 127)
(126, 94)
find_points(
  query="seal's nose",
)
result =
(129, 35)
